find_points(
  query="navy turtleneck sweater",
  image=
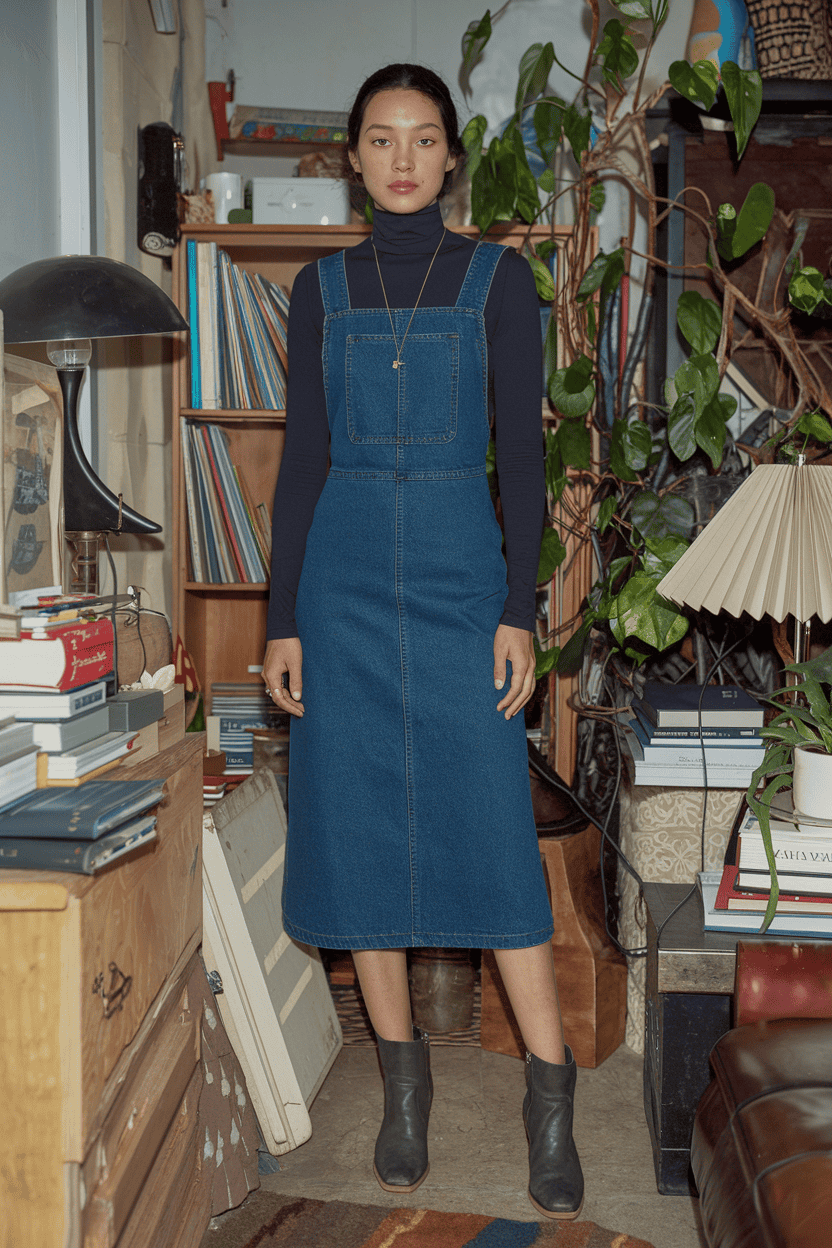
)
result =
(405, 244)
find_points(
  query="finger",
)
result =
(293, 680)
(518, 672)
(522, 685)
(499, 667)
(284, 701)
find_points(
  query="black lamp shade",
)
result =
(83, 297)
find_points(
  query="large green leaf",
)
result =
(474, 40)
(546, 181)
(642, 613)
(659, 557)
(576, 127)
(681, 435)
(550, 348)
(699, 319)
(630, 445)
(698, 377)
(617, 54)
(809, 292)
(533, 73)
(606, 511)
(815, 425)
(548, 126)
(528, 200)
(572, 389)
(744, 93)
(472, 140)
(570, 656)
(738, 232)
(659, 516)
(575, 443)
(698, 82)
(545, 659)
(554, 471)
(604, 274)
(710, 426)
(543, 279)
(552, 555)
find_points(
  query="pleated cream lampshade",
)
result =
(768, 551)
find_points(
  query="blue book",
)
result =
(83, 857)
(677, 706)
(193, 319)
(679, 736)
(83, 813)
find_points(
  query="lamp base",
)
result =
(85, 560)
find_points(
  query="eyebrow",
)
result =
(426, 125)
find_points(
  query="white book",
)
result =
(53, 705)
(84, 758)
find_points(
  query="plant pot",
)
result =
(813, 783)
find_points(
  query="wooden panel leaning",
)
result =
(591, 973)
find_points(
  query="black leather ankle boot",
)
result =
(556, 1182)
(401, 1156)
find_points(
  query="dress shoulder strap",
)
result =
(477, 284)
(332, 275)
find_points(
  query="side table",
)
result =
(689, 990)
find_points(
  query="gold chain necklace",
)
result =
(399, 349)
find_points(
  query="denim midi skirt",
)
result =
(410, 818)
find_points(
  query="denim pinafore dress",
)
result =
(410, 818)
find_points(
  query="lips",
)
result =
(402, 188)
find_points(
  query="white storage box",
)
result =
(300, 201)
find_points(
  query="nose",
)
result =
(403, 160)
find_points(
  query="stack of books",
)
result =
(83, 831)
(238, 323)
(238, 709)
(736, 898)
(229, 534)
(18, 760)
(665, 738)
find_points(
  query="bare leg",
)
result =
(382, 974)
(529, 979)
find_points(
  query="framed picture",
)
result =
(30, 487)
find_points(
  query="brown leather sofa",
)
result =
(761, 1151)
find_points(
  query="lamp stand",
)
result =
(85, 560)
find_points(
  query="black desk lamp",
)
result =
(66, 301)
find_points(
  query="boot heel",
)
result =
(400, 1162)
(556, 1182)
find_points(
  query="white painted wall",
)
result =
(29, 194)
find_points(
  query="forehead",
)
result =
(402, 107)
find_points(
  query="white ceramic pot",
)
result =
(813, 783)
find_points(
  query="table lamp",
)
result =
(768, 551)
(65, 301)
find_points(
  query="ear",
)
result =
(450, 164)
(354, 161)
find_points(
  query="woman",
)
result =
(394, 618)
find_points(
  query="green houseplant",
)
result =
(804, 726)
(633, 455)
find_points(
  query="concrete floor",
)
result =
(478, 1147)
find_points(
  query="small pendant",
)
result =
(395, 363)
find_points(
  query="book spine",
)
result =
(193, 320)
(44, 855)
(236, 504)
(196, 539)
(64, 659)
(207, 326)
(223, 503)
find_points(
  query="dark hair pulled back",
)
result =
(403, 76)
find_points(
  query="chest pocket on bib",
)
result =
(416, 402)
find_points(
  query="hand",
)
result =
(284, 656)
(514, 645)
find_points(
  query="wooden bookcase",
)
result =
(223, 627)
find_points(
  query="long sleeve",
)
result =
(303, 468)
(517, 368)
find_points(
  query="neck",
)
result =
(412, 232)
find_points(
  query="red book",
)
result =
(60, 659)
(729, 897)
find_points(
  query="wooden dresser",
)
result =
(100, 1071)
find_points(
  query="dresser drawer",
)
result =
(131, 929)
(146, 1103)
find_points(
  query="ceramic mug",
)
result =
(227, 193)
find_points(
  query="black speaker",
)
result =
(161, 152)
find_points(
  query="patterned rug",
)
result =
(268, 1220)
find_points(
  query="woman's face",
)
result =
(402, 153)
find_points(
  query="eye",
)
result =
(381, 142)
(426, 142)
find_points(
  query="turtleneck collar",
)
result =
(408, 233)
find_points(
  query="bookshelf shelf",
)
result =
(223, 626)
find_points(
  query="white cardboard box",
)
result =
(300, 201)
